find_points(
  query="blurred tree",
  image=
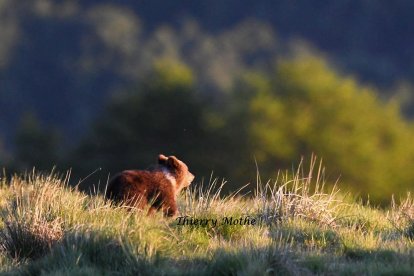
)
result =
(163, 115)
(307, 108)
(35, 146)
(99, 47)
(9, 32)
(303, 108)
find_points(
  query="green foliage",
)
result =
(163, 115)
(171, 75)
(305, 107)
(183, 102)
(301, 108)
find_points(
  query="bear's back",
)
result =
(157, 187)
(138, 186)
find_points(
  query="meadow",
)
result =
(289, 226)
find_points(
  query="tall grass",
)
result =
(402, 216)
(48, 227)
(302, 195)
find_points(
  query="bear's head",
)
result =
(178, 169)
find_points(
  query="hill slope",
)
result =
(289, 228)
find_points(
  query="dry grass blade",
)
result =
(31, 218)
(290, 197)
(402, 216)
(24, 239)
(200, 198)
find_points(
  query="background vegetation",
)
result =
(93, 84)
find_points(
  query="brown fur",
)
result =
(138, 188)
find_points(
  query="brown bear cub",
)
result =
(158, 187)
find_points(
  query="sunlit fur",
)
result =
(157, 187)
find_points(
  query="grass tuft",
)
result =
(301, 196)
(29, 239)
(402, 216)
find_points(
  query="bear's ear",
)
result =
(173, 162)
(162, 159)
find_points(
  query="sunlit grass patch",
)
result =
(308, 236)
(301, 228)
(91, 251)
(254, 259)
(402, 216)
(302, 196)
(29, 238)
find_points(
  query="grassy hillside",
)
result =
(290, 227)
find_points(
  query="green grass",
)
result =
(48, 228)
